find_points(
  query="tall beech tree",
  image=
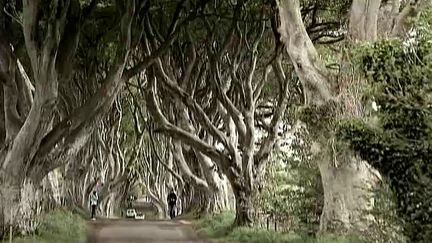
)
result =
(31, 137)
(346, 179)
(215, 87)
(397, 142)
(218, 88)
(33, 65)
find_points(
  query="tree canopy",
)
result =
(298, 109)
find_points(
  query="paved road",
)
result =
(133, 231)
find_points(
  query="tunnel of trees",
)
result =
(315, 112)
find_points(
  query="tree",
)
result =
(346, 180)
(37, 140)
(396, 139)
(219, 91)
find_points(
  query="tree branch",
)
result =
(170, 170)
(8, 78)
(69, 42)
(269, 141)
(232, 110)
(308, 66)
(176, 132)
(363, 20)
(70, 127)
(30, 24)
(404, 21)
(194, 106)
(177, 151)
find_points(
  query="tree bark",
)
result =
(244, 205)
(363, 20)
(395, 22)
(405, 20)
(344, 185)
(348, 194)
(219, 106)
(19, 203)
(161, 210)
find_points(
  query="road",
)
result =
(134, 231)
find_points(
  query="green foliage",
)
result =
(271, 200)
(58, 226)
(292, 190)
(399, 144)
(387, 227)
(305, 203)
(244, 234)
(321, 118)
(218, 227)
(328, 11)
(293, 193)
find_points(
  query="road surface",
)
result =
(134, 231)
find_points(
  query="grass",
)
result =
(191, 215)
(58, 226)
(219, 228)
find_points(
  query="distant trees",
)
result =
(37, 59)
(213, 88)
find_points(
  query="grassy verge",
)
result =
(58, 226)
(218, 228)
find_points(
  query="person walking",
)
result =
(93, 204)
(172, 201)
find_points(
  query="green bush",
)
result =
(216, 225)
(399, 143)
(219, 228)
(292, 190)
(58, 226)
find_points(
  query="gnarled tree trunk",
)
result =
(35, 142)
(345, 195)
(348, 194)
(19, 204)
(244, 205)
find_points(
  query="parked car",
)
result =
(131, 213)
(139, 216)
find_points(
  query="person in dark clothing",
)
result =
(172, 201)
(93, 204)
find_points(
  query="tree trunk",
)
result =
(244, 206)
(19, 203)
(363, 20)
(9, 205)
(223, 195)
(216, 191)
(161, 210)
(344, 196)
(348, 195)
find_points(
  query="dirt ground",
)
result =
(134, 231)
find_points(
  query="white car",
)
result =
(131, 213)
(139, 216)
